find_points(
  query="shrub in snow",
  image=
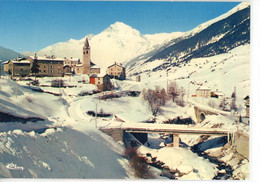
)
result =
(28, 98)
(138, 164)
(212, 104)
(57, 83)
(35, 82)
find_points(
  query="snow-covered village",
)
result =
(124, 105)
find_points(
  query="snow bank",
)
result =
(184, 162)
(66, 154)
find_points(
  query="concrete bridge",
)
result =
(140, 131)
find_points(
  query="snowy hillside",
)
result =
(110, 45)
(56, 146)
(214, 37)
(222, 72)
(6, 54)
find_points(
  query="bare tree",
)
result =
(173, 90)
(163, 96)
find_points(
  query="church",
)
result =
(86, 66)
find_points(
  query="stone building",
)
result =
(48, 65)
(87, 67)
(102, 81)
(247, 104)
(70, 64)
(203, 92)
(117, 71)
(17, 67)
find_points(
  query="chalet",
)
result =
(217, 94)
(102, 81)
(203, 92)
(17, 67)
(247, 104)
(6, 66)
(48, 65)
(94, 69)
(117, 71)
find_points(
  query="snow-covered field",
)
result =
(67, 144)
(224, 72)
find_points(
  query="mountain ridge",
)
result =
(109, 45)
(217, 38)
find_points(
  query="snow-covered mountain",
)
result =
(118, 43)
(215, 54)
(214, 37)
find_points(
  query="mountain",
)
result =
(7, 54)
(215, 37)
(118, 43)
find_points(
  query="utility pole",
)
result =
(96, 116)
(59, 88)
(188, 94)
(0, 68)
(16, 89)
(167, 82)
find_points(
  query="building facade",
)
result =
(70, 63)
(17, 67)
(102, 81)
(247, 104)
(48, 65)
(203, 92)
(117, 71)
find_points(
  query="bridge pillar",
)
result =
(176, 140)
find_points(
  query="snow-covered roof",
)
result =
(101, 75)
(95, 66)
(203, 88)
(219, 93)
(116, 64)
(50, 58)
(21, 62)
(6, 62)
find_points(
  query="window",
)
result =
(51, 67)
(51, 71)
(44, 71)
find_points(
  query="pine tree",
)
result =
(35, 68)
(223, 104)
(233, 103)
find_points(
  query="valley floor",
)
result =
(66, 143)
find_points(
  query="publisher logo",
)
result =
(14, 167)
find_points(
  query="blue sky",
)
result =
(33, 25)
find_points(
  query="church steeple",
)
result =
(86, 45)
(86, 57)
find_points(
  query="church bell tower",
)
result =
(86, 57)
